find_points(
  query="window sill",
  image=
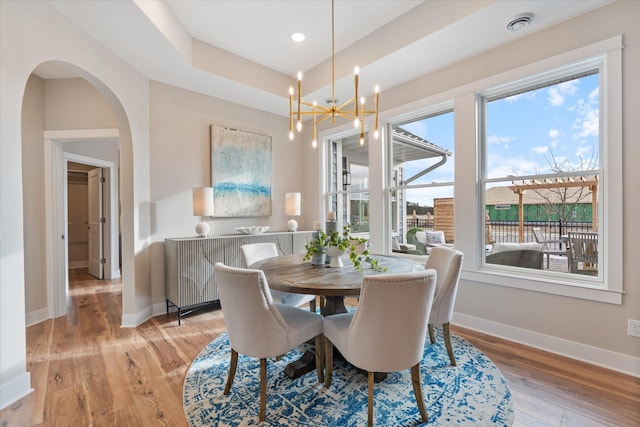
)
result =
(575, 288)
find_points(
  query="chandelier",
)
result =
(350, 110)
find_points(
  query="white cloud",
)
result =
(568, 88)
(540, 150)
(511, 166)
(555, 98)
(554, 133)
(589, 124)
(495, 139)
(583, 151)
(525, 95)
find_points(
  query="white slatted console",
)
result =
(189, 277)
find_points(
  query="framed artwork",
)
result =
(240, 173)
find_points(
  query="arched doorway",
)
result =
(53, 165)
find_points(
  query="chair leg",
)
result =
(232, 371)
(370, 383)
(417, 391)
(320, 339)
(312, 306)
(432, 334)
(447, 343)
(328, 361)
(263, 388)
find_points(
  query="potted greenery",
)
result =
(315, 249)
(336, 245)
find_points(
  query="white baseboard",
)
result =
(15, 389)
(135, 320)
(37, 316)
(160, 308)
(78, 264)
(619, 362)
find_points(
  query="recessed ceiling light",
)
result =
(298, 37)
(520, 21)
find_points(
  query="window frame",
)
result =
(436, 109)
(607, 56)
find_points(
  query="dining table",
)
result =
(291, 273)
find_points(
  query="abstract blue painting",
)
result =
(240, 173)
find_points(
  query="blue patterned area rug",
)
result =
(474, 393)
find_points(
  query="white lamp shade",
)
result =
(292, 203)
(203, 201)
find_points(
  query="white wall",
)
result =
(32, 33)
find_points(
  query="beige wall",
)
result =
(560, 320)
(54, 104)
(181, 160)
(75, 104)
(32, 33)
(165, 152)
(33, 120)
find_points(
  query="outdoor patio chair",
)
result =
(582, 253)
(547, 245)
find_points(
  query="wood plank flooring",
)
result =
(87, 371)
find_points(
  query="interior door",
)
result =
(96, 223)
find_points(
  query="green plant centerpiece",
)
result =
(345, 242)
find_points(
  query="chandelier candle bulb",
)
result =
(345, 110)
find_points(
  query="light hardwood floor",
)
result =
(86, 370)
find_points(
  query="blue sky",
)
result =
(523, 131)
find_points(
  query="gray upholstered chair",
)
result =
(255, 252)
(387, 332)
(260, 328)
(447, 263)
(525, 258)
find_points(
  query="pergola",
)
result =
(537, 184)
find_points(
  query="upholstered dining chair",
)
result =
(447, 262)
(254, 252)
(388, 330)
(260, 328)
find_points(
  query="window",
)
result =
(550, 155)
(421, 181)
(542, 168)
(348, 175)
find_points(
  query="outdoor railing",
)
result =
(507, 231)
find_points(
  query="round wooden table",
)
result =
(290, 273)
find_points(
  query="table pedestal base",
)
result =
(307, 363)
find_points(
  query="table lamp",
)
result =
(202, 206)
(291, 208)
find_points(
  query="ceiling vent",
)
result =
(520, 21)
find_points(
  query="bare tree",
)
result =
(563, 200)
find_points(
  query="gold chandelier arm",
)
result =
(357, 113)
